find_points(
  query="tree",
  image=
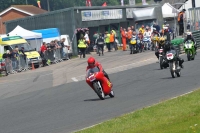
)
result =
(60, 4)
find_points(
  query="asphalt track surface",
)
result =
(73, 106)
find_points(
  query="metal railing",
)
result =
(194, 18)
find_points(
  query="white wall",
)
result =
(188, 5)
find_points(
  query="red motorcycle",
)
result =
(99, 83)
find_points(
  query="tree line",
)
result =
(60, 4)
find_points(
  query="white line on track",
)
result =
(116, 69)
(74, 79)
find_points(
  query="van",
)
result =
(67, 43)
(9, 43)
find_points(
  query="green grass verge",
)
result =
(179, 115)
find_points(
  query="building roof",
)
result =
(175, 3)
(27, 9)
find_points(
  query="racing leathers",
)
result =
(190, 37)
(97, 64)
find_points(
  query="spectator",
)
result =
(142, 29)
(43, 47)
(82, 45)
(129, 35)
(155, 25)
(107, 40)
(14, 56)
(87, 40)
(123, 34)
(22, 52)
(112, 39)
(133, 29)
(62, 46)
(56, 44)
(180, 21)
(7, 55)
(52, 45)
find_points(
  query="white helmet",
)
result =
(189, 33)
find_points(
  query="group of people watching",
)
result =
(50, 47)
(12, 57)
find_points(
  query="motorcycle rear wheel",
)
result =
(98, 90)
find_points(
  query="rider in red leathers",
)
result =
(92, 63)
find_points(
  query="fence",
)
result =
(53, 56)
(194, 18)
(14, 64)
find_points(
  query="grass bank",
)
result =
(179, 115)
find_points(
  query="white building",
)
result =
(188, 5)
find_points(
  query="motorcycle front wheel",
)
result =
(172, 70)
(161, 62)
(98, 90)
(112, 94)
(188, 55)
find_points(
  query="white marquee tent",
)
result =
(35, 39)
(169, 11)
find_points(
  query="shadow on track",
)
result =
(97, 99)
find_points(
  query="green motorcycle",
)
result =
(189, 50)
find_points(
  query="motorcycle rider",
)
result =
(166, 31)
(93, 63)
(167, 47)
(133, 38)
(161, 44)
(190, 37)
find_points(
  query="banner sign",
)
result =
(90, 15)
(132, 2)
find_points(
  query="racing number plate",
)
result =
(92, 78)
(169, 56)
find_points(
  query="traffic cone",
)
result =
(33, 67)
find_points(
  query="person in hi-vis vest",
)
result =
(82, 46)
(180, 21)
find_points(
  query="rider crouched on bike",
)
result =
(190, 37)
(93, 63)
(167, 47)
(161, 44)
(133, 41)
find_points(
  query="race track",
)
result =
(73, 106)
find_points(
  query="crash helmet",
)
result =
(167, 45)
(189, 35)
(162, 40)
(91, 61)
